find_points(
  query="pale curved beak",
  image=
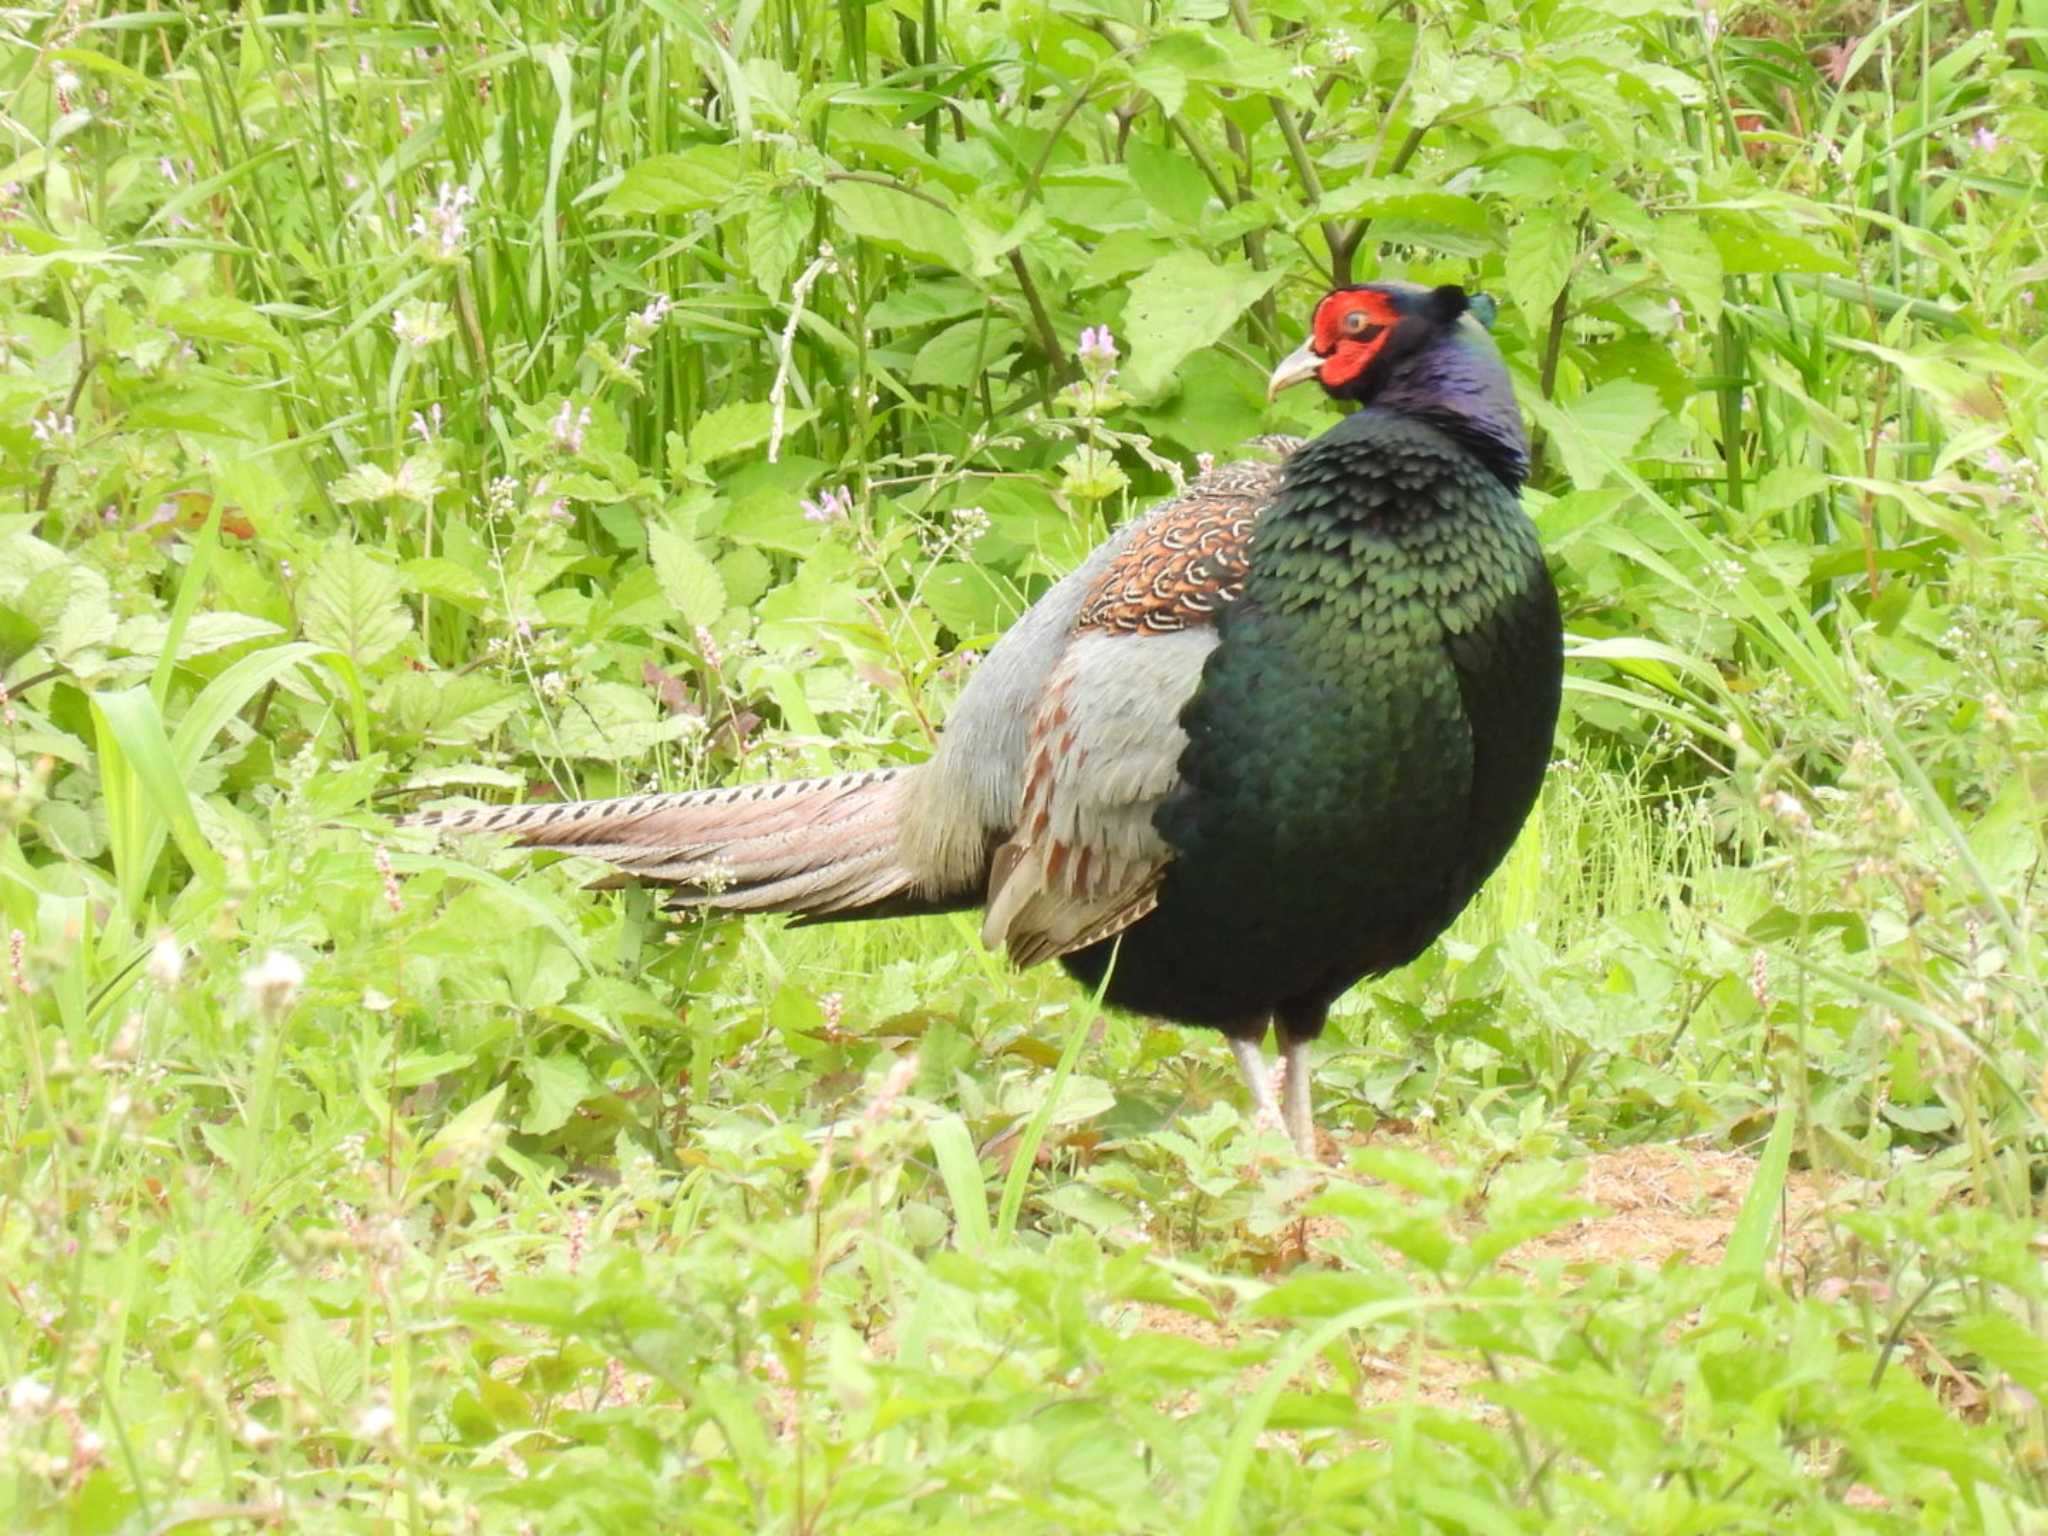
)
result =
(1302, 363)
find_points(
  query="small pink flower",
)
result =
(1985, 140)
(568, 427)
(1097, 350)
(832, 507)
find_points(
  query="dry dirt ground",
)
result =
(1657, 1204)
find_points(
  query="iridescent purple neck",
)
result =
(1459, 385)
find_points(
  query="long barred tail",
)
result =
(822, 848)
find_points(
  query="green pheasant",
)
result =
(1267, 740)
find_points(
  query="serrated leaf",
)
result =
(1377, 197)
(469, 707)
(613, 721)
(993, 231)
(2018, 1351)
(350, 604)
(435, 576)
(776, 227)
(1539, 260)
(71, 608)
(1182, 304)
(900, 222)
(688, 578)
(737, 427)
(702, 177)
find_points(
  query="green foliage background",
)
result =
(405, 401)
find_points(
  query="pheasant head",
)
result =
(1424, 352)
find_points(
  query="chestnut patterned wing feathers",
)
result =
(1084, 860)
(1185, 561)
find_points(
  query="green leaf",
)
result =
(1163, 80)
(146, 793)
(1167, 179)
(2016, 1350)
(960, 1169)
(688, 578)
(1182, 304)
(1749, 1244)
(968, 599)
(1691, 261)
(1595, 432)
(1539, 260)
(350, 604)
(703, 177)
(961, 353)
(558, 1085)
(1752, 245)
(471, 1132)
(776, 227)
(222, 319)
(1375, 197)
(735, 428)
(899, 221)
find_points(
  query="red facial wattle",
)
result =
(1350, 328)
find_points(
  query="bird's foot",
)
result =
(1294, 1105)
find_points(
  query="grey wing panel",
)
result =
(970, 796)
(1085, 859)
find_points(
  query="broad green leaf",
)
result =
(215, 318)
(614, 722)
(471, 1133)
(1381, 198)
(900, 221)
(350, 604)
(1691, 260)
(1599, 428)
(1172, 183)
(688, 578)
(557, 1085)
(962, 352)
(776, 227)
(2018, 1351)
(1179, 306)
(147, 634)
(1538, 261)
(735, 428)
(968, 599)
(1163, 80)
(701, 177)
(1750, 244)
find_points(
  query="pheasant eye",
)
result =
(1359, 328)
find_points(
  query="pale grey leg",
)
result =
(1251, 1061)
(1294, 1112)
